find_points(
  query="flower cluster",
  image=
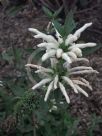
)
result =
(62, 51)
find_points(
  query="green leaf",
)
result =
(59, 27)
(57, 12)
(69, 23)
(88, 51)
(48, 12)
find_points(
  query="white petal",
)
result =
(83, 72)
(44, 71)
(84, 45)
(67, 65)
(48, 45)
(77, 51)
(41, 69)
(82, 83)
(83, 80)
(68, 80)
(81, 59)
(81, 68)
(70, 39)
(50, 87)
(59, 53)
(34, 30)
(66, 57)
(64, 92)
(42, 82)
(80, 30)
(45, 37)
(55, 82)
(72, 55)
(49, 54)
(81, 90)
(48, 38)
(33, 66)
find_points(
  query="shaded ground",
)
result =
(13, 32)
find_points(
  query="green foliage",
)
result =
(95, 121)
(69, 24)
(52, 15)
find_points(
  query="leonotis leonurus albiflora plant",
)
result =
(62, 52)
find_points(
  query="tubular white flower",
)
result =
(66, 65)
(41, 83)
(77, 51)
(66, 57)
(49, 54)
(41, 69)
(80, 30)
(84, 80)
(81, 90)
(63, 90)
(50, 87)
(72, 55)
(59, 53)
(48, 45)
(33, 66)
(83, 45)
(69, 81)
(83, 72)
(45, 37)
(82, 83)
(55, 82)
(34, 30)
(70, 39)
(81, 59)
(81, 68)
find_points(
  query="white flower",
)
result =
(66, 49)
(54, 80)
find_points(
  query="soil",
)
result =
(14, 32)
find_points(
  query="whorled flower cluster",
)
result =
(59, 48)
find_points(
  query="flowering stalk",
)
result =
(62, 52)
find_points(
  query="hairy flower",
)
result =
(66, 49)
(54, 80)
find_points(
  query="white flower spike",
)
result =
(54, 80)
(55, 47)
